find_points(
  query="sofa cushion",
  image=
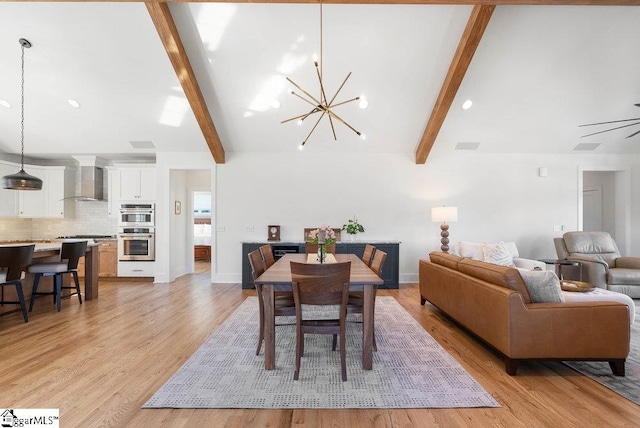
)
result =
(497, 254)
(445, 259)
(543, 286)
(503, 276)
(620, 276)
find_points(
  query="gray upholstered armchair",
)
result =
(601, 262)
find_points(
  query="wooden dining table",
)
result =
(278, 278)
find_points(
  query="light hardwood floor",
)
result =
(100, 361)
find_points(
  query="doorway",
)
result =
(604, 204)
(201, 230)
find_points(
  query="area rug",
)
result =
(627, 386)
(410, 369)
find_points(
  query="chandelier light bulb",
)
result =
(363, 137)
(4, 103)
(467, 105)
(363, 103)
(301, 147)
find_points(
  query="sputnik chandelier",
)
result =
(322, 104)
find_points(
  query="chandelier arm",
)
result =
(335, 138)
(302, 116)
(343, 122)
(318, 105)
(344, 102)
(305, 92)
(314, 127)
(340, 88)
(323, 96)
(611, 129)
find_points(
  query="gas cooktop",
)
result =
(87, 237)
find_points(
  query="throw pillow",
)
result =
(498, 254)
(543, 286)
(470, 250)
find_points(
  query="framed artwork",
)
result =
(177, 209)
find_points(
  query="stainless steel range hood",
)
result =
(91, 184)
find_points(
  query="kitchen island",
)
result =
(47, 251)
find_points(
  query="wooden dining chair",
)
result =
(267, 256)
(14, 260)
(321, 284)
(310, 248)
(70, 253)
(367, 256)
(355, 304)
(283, 305)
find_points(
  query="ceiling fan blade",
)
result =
(611, 121)
(612, 129)
(635, 133)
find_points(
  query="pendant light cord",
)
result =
(22, 115)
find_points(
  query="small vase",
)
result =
(352, 237)
(322, 253)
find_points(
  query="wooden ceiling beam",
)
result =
(477, 23)
(164, 23)
(418, 2)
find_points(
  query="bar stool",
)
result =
(15, 260)
(69, 255)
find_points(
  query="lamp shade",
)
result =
(444, 214)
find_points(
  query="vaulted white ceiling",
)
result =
(538, 73)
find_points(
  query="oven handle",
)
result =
(135, 235)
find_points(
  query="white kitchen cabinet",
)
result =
(136, 268)
(8, 198)
(33, 203)
(113, 192)
(57, 183)
(137, 184)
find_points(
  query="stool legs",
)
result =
(57, 289)
(23, 305)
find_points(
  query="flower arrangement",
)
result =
(323, 235)
(353, 227)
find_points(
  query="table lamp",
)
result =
(444, 215)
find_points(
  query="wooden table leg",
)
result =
(91, 262)
(269, 327)
(367, 327)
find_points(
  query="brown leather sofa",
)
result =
(493, 303)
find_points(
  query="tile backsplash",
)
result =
(91, 218)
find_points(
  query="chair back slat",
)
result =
(72, 251)
(320, 284)
(367, 256)
(267, 256)
(310, 248)
(257, 264)
(16, 259)
(378, 261)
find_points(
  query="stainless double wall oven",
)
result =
(136, 235)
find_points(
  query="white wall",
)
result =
(499, 197)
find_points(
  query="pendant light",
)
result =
(21, 180)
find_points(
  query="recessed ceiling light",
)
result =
(363, 103)
(467, 104)
(467, 146)
(73, 103)
(142, 144)
(4, 103)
